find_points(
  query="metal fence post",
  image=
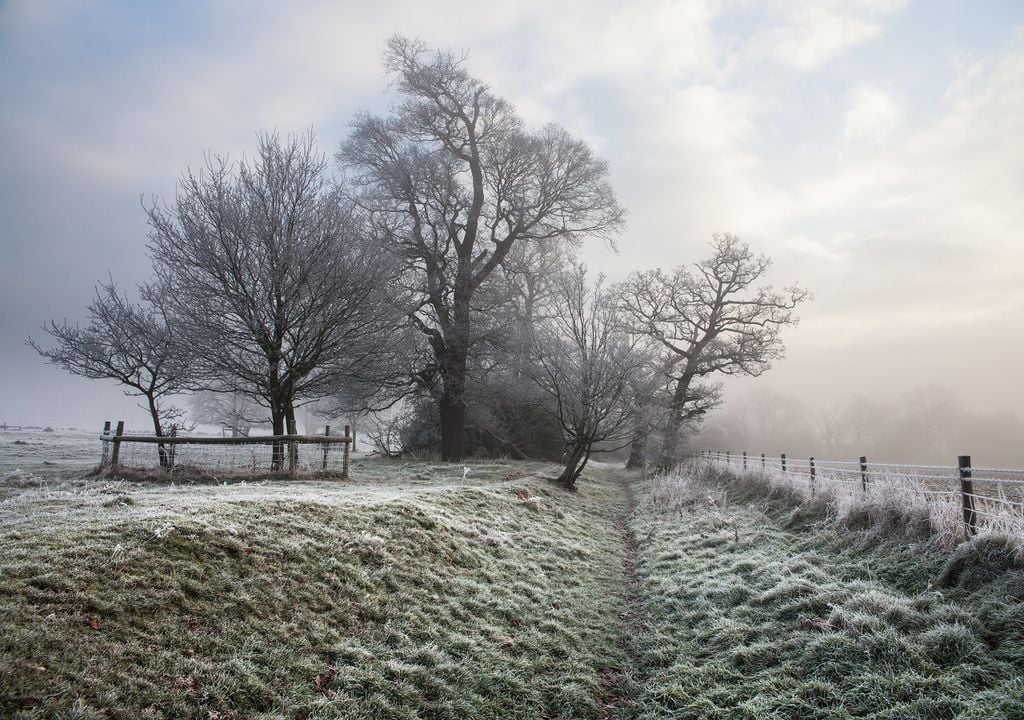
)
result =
(967, 494)
(744, 461)
(864, 472)
(783, 462)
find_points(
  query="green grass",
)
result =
(762, 610)
(413, 592)
(410, 593)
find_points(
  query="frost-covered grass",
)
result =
(761, 608)
(410, 592)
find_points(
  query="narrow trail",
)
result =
(615, 699)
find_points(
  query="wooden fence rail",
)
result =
(168, 444)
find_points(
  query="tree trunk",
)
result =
(574, 464)
(637, 448)
(453, 428)
(453, 397)
(670, 443)
(277, 418)
(161, 449)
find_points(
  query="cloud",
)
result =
(873, 115)
(812, 33)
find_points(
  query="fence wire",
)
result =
(255, 457)
(994, 497)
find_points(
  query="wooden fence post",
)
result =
(345, 455)
(115, 457)
(728, 461)
(813, 475)
(967, 494)
(783, 462)
(106, 448)
(173, 451)
(293, 457)
(327, 433)
(744, 461)
(864, 472)
(762, 463)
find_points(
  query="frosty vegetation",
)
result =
(430, 281)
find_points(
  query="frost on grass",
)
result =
(764, 617)
(406, 593)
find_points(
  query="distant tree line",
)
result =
(430, 282)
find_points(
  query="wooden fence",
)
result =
(986, 495)
(284, 456)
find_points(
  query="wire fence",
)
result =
(986, 498)
(236, 456)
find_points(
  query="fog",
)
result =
(872, 149)
(928, 424)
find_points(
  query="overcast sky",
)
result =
(873, 148)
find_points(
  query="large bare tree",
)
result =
(588, 367)
(708, 319)
(454, 181)
(131, 343)
(271, 279)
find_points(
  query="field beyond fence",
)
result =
(249, 455)
(956, 499)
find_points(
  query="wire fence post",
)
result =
(813, 475)
(728, 461)
(116, 455)
(345, 455)
(762, 463)
(783, 462)
(744, 461)
(864, 472)
(967, 494)
(327, 433)
(106, 447)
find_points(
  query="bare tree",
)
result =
(269, 275)
(231, 410)
(711, 320)
(131, 343)
(586, 366)
(454, 182)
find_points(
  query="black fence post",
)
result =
(783, 462)
(744, 461)
(967, 494)
(864, 472)
(728, 460)
(813, 475)
(762, 463)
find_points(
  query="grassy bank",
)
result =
(754, 608)
(416, 593)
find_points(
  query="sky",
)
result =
(873, 148)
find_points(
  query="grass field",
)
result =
(756, 608)
(415, 592)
